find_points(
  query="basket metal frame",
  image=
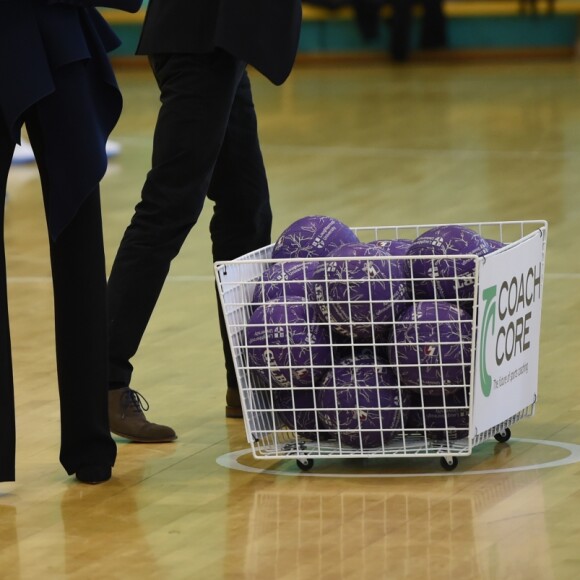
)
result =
(269, 438)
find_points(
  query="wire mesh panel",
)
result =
(371, 349)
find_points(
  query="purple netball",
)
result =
(449, 421)
(287, 344)
(441, 417)
(296, 409)
(494, 244)
(312, 237)
(431, 346)
(360, 401)
(451, 278)
(284, 279)
(396, 247)
(360, 297)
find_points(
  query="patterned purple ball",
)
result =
(360, 401)
(346, 347)
(312, 237)
(296, 409)
(397, 247)
(284, 279)
(285, 342)
(451, 278)
(494, 244)
(442, 417)
(360, 297)
(432, 346)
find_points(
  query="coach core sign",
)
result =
(510, 295)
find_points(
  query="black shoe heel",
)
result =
(94, 474)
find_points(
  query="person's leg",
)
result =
(197, 92)
(7, 423)
(242, 218)
(80, 310)
(79, 278)
(434, 25)
(401, 22)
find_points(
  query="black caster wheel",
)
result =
(305, 464)
(503, 436)
(449, 465)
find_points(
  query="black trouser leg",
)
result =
(7, 422)
(79, 280)
(242, 219)
(401, 23)
(197, 93)
(80, 310)
(434, 27)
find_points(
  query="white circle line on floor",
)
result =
(230, 461)
(208, 278)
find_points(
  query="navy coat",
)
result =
(263, 33)
(53, 61)
(38, 39)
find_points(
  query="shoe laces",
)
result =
(133, 401)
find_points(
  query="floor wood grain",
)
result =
(370, 145)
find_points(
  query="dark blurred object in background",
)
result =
(368, 18)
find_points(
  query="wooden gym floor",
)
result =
(371, 145)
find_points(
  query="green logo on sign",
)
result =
(488, 322)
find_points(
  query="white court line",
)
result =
(563, 276)
(398, 152)
(382, 152)
(45, 279)
(201, 278)
(230, 461)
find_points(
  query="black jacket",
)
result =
(263, 33)
(38, 39)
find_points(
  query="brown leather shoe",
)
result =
(233, 404)
(127, 419)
